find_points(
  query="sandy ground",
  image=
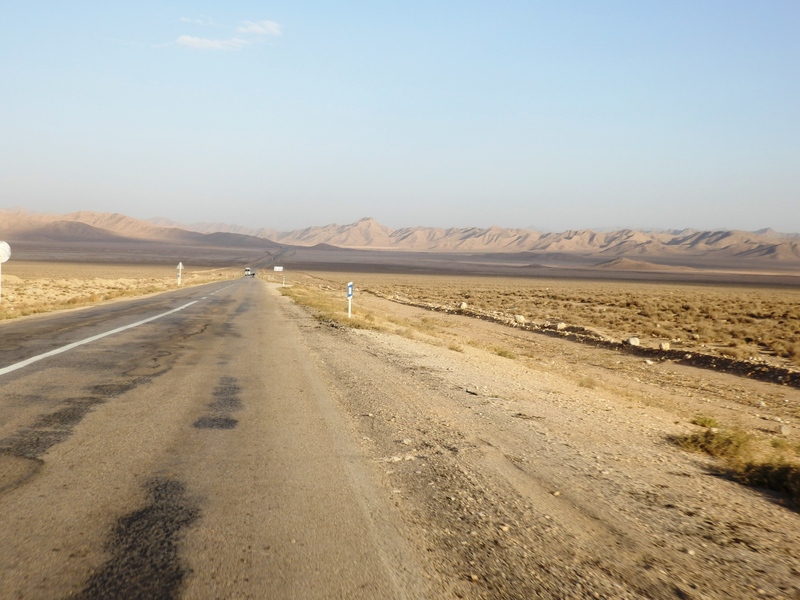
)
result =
(30, 288)
(551, 475)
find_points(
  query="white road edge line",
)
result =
(34, 359)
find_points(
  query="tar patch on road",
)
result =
(48, 430)
(112, 390)
(226, 401)
(15, 470)
(144, 559)
(21, 452)
(244, 307)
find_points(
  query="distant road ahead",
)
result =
(196, 454)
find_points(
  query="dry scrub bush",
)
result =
(778, 475)
(740, 453)
(705, 421)
(504, 352)
(732, 445)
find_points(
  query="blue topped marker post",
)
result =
(349, 299)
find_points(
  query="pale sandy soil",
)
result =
(759, 325)
(30, 288)
(551, 474)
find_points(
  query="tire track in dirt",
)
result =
(530, 486)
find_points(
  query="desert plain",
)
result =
(36, 287)
(528, 448)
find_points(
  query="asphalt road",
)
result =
(194, 453)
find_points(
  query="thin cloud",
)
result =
(208, 44)
(249, 32)
(260, 28)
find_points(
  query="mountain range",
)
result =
(765, 247)
(369, 234)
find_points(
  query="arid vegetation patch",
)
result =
(737, 322)
(32, 287)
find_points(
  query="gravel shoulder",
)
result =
(551, 474)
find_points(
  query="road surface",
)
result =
(194, 455)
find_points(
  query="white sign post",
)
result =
(278, 269)
(180, 271)
(349, 299)
(5, 254)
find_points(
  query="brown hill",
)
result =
(91, 227)
(366, 233)
(626, 264)
(70, 231)
(204, 227)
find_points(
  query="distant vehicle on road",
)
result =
(248, 272)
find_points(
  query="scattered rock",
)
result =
(471, 390)
(561, 326)
(648, 362)
(463, 305)
(633, 341)
(520, 319)
(664, 346)
(784, 430)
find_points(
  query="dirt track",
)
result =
(522, 480)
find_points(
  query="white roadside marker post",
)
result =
(349, 299)
(180, 271)
(5, 254)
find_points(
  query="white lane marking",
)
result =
(34, 359)
(204, 297)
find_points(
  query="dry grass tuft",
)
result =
(504, 352)
(705, 421)
(732, 445)
(740, 453)
(777, 474)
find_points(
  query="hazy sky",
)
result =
(557, 115)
